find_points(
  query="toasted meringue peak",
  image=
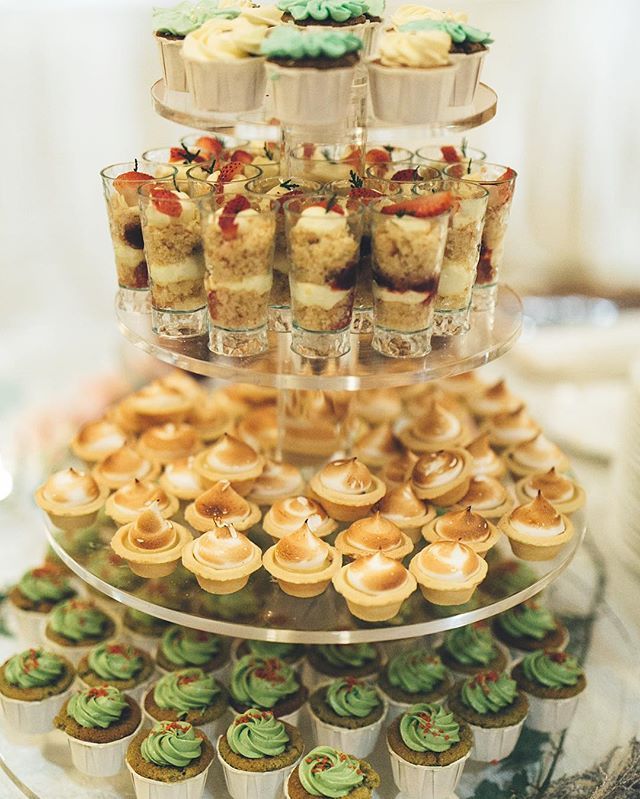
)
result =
(259, 429)
(373, 534)
(436, 424)
(278, 479)
(289, 514)
(208, 415)
(398, 470)
(484, 493)
(376, 574)
(495, 399)
(139, 494)
(401, 502)
(124, 463)
(464, 526)
(170, 441)
(513, 427)
(229, 454)
(437, 468)
(554, 487)
(223, 503)
(100, 438)
(182, 474)
(537, 518)
(464, 384)
(449, 561)
(223, 547)
(151, 531)
(378, 404)
(485, 460)
(184, 384)
(347, 476)
(302, 551)
(251, 395)
(378, 443)
(157, 399)
(540, 453)
(70, 488)
(419, 404)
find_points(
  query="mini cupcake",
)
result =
(325, 14)
(472, 649)
(34, 685)
(348, 715)
(406, 510)
(509, 577)
(311, 74)
(292, 654)
(124, 667)
(346, 489)
(536, 530)
(182, 647)
(256, 753)
(124, 505)
(414, 675)
(327, 772)
(33, 597)
(428, 747)
(112, 569)
(374, 586)
(75, 626)
(188, 695)
(143, 630)
(340, 661)
(495, 710)
(530, 626)
(267, 684)
(71, 499)
(221, 502)
(99, 723)
(553, 683)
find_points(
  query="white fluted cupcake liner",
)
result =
(28, 624)
(294, 717)
(494, 743)
(410, 96)
(145, 788)
(359, 743)
(253, 784)
(32, 718)
(148, 643)
(173, 70)
(425, 782)
(308, 96)
(227, 86)
(212, 729)
(467, 76)
(100, 759)
(551, 715)
(136, 693)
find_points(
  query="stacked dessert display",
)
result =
(325, 571)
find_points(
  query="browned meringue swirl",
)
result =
(436, 424)
(71, 488)
(150, 531)
(223, 548)
(302, 551)
(397, 470)
(138, 494)
(449, 560)
(484, 493)
(123, 463)
(537, 518)
(229, 453)
(223, 503)
(375, 574)
(259, 428)
(554, 487)
(373, 533)
(177, 440)
(437, 468)
(401, 502)
(379, 442)
(102, 437)
(464, 525)
(348, 476)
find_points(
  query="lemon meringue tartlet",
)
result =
(406, 510)
(259, 429)
(537, 455)
(466, 384)
(376, 446)
(210, 417)
(233, 460)
(494, 400)
(221, 503)
(464, 526)
(374, 534)
(154, 404)
(374, 586)
(124, 465)
(436, 429)
(302, 563)
(487, 497)
(168, 442)
(398, 470)
(442, 477)
(97, 440)
(129, 500)
(484, 460)
(536, 530)
(346, 489)
(222, 559)
(181, 479)
(448, 572)
(279, 480)
(378, 405)
(71, 499)
(560, 491)
(286, 516)
(151, 545)
(511, 428)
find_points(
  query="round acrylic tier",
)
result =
(489, 338)
(179, 107)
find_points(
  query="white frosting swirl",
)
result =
(416, 49)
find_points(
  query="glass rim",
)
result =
(357, 148)
(422, 179)
(375, 208)
(206, 180)
(105, 169)
(168, 148)
(494, 182)
(426, 146)
(378, 146)
(356, 208)
(147, 186)
(279, 181)
(477, 187)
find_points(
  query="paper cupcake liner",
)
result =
(467, 76)
(145, 788)
(253, 784)
(359, 743)
(173, 70)
(409, 96)
(551, 715)
(212, 729)
(425, 782)
(494, 743)
(28, 624)
(100, 760)
(32, 718)
(294, 717)
(227, 86)
(307, 96)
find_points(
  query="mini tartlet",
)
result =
(286, 516)
(75, 627)
(122, 466)
(267, 684)
(376, 446)
(485, 461)
(169, 442)
(340, 774)
(222, 559)
(374, 534)
(414, 675)
(182, 647)
(464, 526)
(210, 417)
(530, 626)
(493, 400)
(511, 428)
(537, 455)
(96, 440)
(302, 563)
(442, 477)
(71, 499)
(406, 510)
(536, 530)
(487, 497)
(346, 489)
(181, 480)
(472, 649)
(259, 429)
(437, 429)
(233, 460)
(221, 503)
(151, 545)
(559, 490)
(397, 471)
(125, 504)
(378, 405)
(448, 572)
(374, 586)
(154, 404)
(279, 480)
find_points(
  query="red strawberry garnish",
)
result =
(127, 184)
(377, 156)
(308, 149)
(182, 155)
(242, 156)
(284, 197)
(165, 201)
(354, 158)
(229, 171)
(328, 205)
(421, 207)
(449, 154)
(210, 144)
(406, 174)
(227, 221)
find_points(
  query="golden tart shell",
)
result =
(147, 562)
(371, 606)
(123, 515)
(242, 482)
(72, 518)
(221, 581)
(451, 491)
(431, 533)
(447, 592)
(302, 584)
(537, 548)
(496, 512)
(565, 506)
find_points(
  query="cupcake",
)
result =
(267, 684)
(256, 753)
(71, 499)
(406, 510)
(189, 695)
(325, 14)
(509, 577)
(553, 683)
(34, 685)
(414, 675)
(495, 710)
(99, 723)
(33, 597)
(374, 534)
(472, 649)
(96, 440)
(448, 572)
(327, 772)
(287, 516)
(340, 661)
(463, 526)
(530, 626)
(562, 492)
(292, 654)
(124, 505)
(182, 647)
(124, 667)
(75, 626)
(112, 569)
(221, 502)
(169, 761)
(233, 460)
(442, 477)
(142, 629)
(311, 74)
(428, 747)
(346, 489)
(374, 586)
(347, 714)
(536, 530)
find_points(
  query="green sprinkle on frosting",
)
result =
(262, 682)
(488, 692)
(77, 620)
(322, 10)
(552, 669)
(45, 584)
(352, 698)
(285, 41)
(97, 707)
(186, 690)
(471, 646)
(347, 655)
(459, 31)
(115, 661)
(171, 743)
(429, 728)
(33, 668)
(185, 647)
(416, 671)
(329, 773)
(256, 734)
(529, 620)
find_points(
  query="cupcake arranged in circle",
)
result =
(75, 626)
(124, 667)
(267, 684)
(34, 596)
(530, 626)
(472, 649)
(331, 661)
(328, 773)
(182, 647)
(350, 14)
(143, 630)
(292, 654)
(414, 676)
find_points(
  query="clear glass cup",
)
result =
(173, 248)
(441, 155)
(121, 196)
(323, 242)
(461, 253)
(214, 145)
(379, 156)
(180, 158)
(407, 259)
(500, 182)
(326, 162)
(239, 238)
(402, 177)
(227, 180)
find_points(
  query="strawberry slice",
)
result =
(364, 194)
(210, 144)
(421, 207)
(229, 171)
(127, 184)
(165, 201)
(227, 220)
(449, 154)
(406, 174)
(288, 196)
(308, 149)
(328, 205)
(354, 158)
(377, 156)
(241, 155)
(182, 155)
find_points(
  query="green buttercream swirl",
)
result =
(553, 669)
(459, 31)
(347, 655)
(288, 42)
(171, 743)
(321, 10)
(97, 707)
(115, 661)
(416, 671)
(471, 646)
(187, 17)
(256, 734)
(375, 8)
(262, 682)
(185, 647)
(185, 690)
(78, 620)
(429, 728)
(45, 585)
(488, 692)
(329, 773)
(529, 621)
(33, 668)
(352, 698)
(271, 649)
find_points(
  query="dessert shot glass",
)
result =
(381, 156)
(442, 154)
(179, 158)
(407, 249)
(326, 162)
(402, 177)
(216, 145)
(225, 179)
(173, 248)
(461, 253)
(323, 242)
(239, 239)
(500, 182)
(120, 183)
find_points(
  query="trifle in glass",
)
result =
(402, 177)
(442, 154)
(326, 162)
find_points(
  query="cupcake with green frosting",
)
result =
(472, 649)
(99, 724)
(122, 666)
(111, 568)
(347, 714)
(142, 629)
(414, 676)
(267, 684)
(182, 647)
(495, 709)
(328, 661)
(290, 653)
(75, 626)
(553, 683)
(530, 626)
(34, 596)
(428, 747)
(257, 751)
(34, 685)
(171, 755)
(507, 577)
(331, 774)
(350, 14)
